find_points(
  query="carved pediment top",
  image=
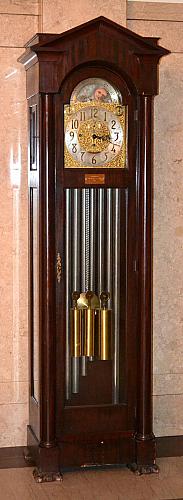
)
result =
(51, 42)
(100, 42)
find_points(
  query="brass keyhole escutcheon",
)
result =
(59, 267)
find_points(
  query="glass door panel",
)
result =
(95, 258)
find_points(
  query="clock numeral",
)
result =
(68, 110)
(117, 135)
(75, 124)
(119, 110)
(113, 124)
(72, 135)
(94, 161)
(105, 116)
(106, 157)
(82, 154)
(113, 149)
(82, 116)
(74, 148)
(94, 113)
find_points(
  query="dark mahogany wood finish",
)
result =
(60, 435)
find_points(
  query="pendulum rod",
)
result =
(92, 226)
(87, 239)
(92, 238)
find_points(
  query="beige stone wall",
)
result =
(19, 20)
(166, 21)
(58, 16)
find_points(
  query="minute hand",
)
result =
(115, 143)
(103, 137)
(107, 137)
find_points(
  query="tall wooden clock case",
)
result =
(90, 96)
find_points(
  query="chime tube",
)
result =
(109, 245)
(75, 375)
(76, 332)
(83, 265)
(100, 240)
(116, 291)
(67, 292)
(75, 282)
(89, 332)
(104, 334)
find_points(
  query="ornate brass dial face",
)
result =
(95, 135)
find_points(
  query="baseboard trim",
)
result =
(167, 446)
(12, 457)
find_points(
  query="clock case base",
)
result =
(119, 450)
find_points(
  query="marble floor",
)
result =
(18, 484)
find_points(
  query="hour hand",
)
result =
(103, 137)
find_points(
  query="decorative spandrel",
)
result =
(95, 126)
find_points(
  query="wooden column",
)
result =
(47, 443)
(145, 441)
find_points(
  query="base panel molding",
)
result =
(14, 457)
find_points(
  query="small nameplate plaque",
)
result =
(94, 178)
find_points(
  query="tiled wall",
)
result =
(166, 21)
(19, 20)
(65, 14)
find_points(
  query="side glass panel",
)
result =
(33, 137)
(34, 293)
(95, 266)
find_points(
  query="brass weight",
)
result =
(89, 327)
(104, 329)
(76, 318)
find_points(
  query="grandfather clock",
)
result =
(90, 95)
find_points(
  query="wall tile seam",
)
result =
(18, 14)
(168, 394)
(164, 374)
(154, 20)
(12, 381)
(12, 47)
(13, 403)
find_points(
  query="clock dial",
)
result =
(95, 135)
